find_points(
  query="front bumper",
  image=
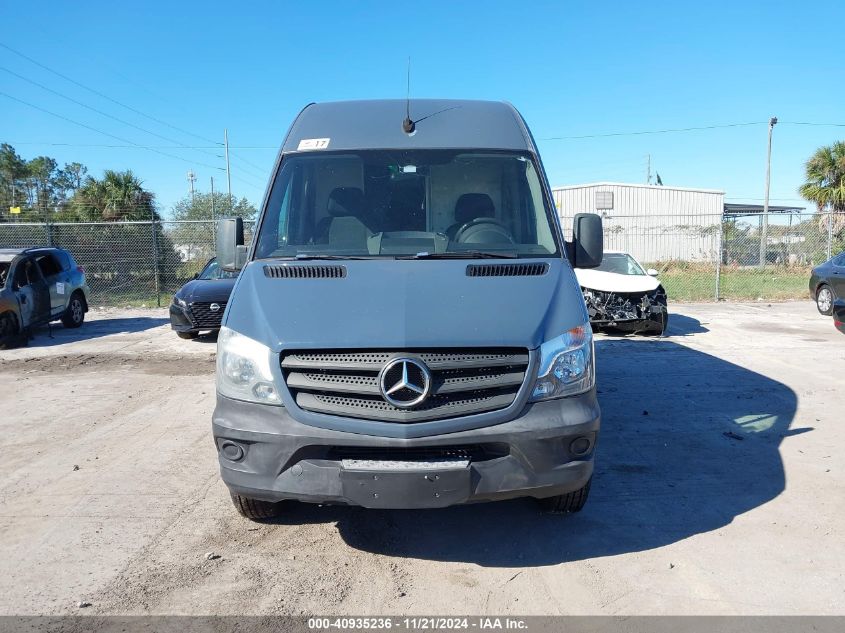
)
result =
(180, 321)
(530, 456)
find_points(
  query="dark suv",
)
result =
(198, 305)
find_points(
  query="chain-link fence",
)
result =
(126, 263)
(735, 257)
(716, 256)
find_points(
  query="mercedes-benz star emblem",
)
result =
(405, 382)
(214, 307)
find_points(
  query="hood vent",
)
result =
(310, 271)
(507, 270)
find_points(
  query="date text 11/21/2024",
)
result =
(419, 623)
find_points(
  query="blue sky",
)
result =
(188, 70)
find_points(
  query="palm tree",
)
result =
(825, 172)
(120, 195)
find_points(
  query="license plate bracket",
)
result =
(410, 486)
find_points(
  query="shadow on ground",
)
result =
(93, 329)
(682, 325)
(689, 441)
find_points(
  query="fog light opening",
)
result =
(231, 451)
(580, 446)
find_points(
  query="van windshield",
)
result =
(430, 203)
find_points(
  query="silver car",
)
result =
(37, 286)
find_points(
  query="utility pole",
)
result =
(764, 229)
(191, 179)
(228, 173)
(648, 170)
(213, 219)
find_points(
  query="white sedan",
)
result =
(621, 295)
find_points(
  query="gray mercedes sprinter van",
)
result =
(406, 330)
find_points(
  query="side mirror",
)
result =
(587, 240)
(651, 272)
(196, 276)
(231, 252)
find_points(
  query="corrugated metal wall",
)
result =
(651, 223)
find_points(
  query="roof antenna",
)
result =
(408, 125)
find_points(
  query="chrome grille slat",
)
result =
(373, 361)
(346, 382)
(378, 409)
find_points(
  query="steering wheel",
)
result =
(473, 231)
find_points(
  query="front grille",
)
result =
(202, 316)
(463, 382)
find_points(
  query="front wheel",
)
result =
(187, 335)
(74, 315)
(8, 330)
(567, 503)
(657, 324)
(824, 300)
(255, 509)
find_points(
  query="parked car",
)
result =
(839, 315)
(622, 295)
(198, 306)
(436, 351)
(37, 286)
(827, 283)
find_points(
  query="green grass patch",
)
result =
(697, 282)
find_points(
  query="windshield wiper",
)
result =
(308, 256)
(462, 255)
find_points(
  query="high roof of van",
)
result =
(377, 124)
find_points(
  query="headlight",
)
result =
(243, 369)
(179, 302)
(566, 365)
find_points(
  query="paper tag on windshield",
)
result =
(60, 288)
(313, 143)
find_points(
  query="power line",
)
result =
(806, 123)
(88, 127)
(244, 160)
(104, 96)
(217, 147)
(93, 109)
(664, 131)
(100, 145)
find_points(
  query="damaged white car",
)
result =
(621, 295)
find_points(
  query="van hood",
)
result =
(405, 304)
(614, 282)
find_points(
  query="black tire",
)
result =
(74, 314)
(657, 326)
(9, 331)
(187, 335)
(825, 296)
(568, 503)
(255, 509)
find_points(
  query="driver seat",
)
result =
(469, 207)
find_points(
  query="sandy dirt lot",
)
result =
(720, 489)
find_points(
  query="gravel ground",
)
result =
(720, 489)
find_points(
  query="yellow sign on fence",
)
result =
(14, 209)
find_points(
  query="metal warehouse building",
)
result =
(653, 223)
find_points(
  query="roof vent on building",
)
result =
(507, 270)
(285, 271)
